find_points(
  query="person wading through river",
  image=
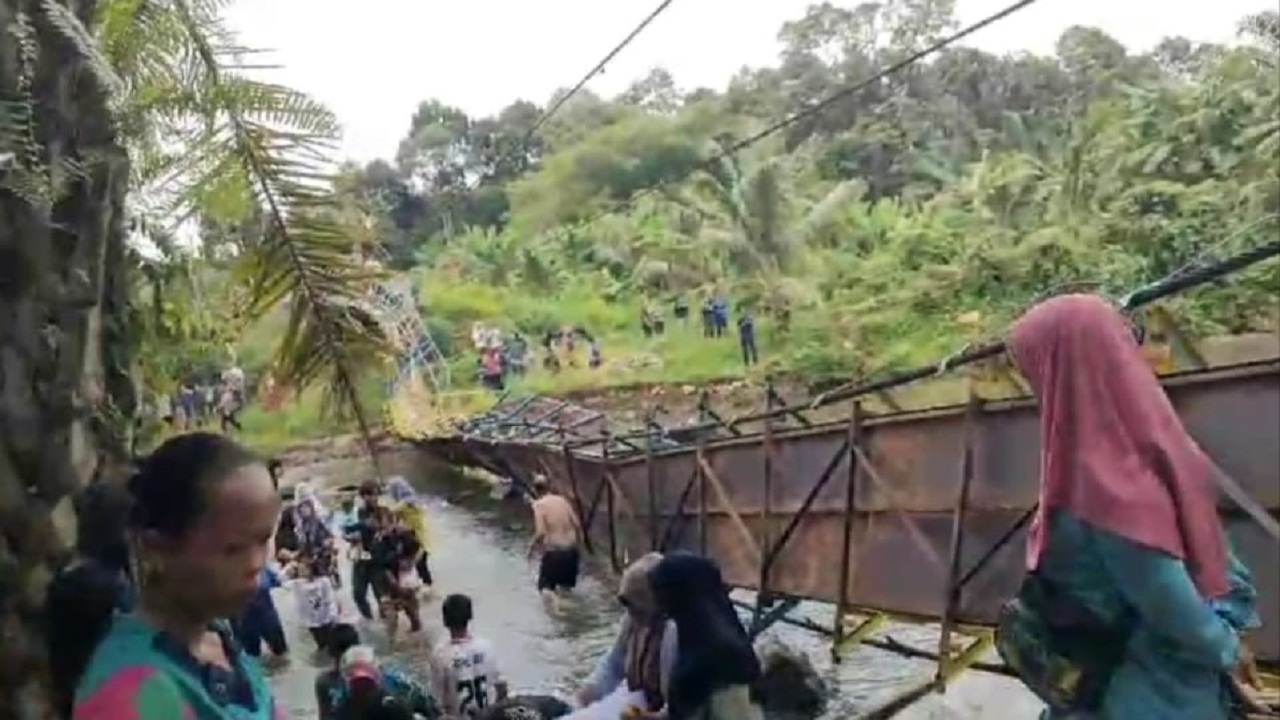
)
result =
(410, 509)
(1133, 601)
(394, 580)
(199, 532)
(352, 660)
(363, 537)
(557, 533)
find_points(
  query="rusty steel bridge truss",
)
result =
(915, 515)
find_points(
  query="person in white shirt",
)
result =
(464, 669)
(317, 601)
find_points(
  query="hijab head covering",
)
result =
(307, 491)
(1113, 451)
(310, 529)
(306, 508)
(714, 650)
(401, 491)
(643, 628)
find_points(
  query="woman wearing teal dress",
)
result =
(203, 513)
(1127, 525)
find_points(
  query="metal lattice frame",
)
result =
(417, 354)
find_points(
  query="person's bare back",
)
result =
(557, 533)
(555, 522)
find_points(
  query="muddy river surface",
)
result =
(478, 548)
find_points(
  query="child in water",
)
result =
(316, 597)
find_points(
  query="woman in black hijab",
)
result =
(715, 663)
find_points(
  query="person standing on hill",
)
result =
(708, 319)
(557, 532)
(719, 316)
(680, 309)
(747, 338)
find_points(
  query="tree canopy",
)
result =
(969, 183)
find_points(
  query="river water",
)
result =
(478, 548)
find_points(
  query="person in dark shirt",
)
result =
(287, 541)
(352, 663)
(96, 583)
(680, 309)
(361, 534)
(747, 338)
(394, 550)
(259, 622)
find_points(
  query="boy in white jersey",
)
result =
(317, 602)
(464, 669)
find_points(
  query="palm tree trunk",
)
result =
(65, 388)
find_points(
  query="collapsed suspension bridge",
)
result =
(913, 515)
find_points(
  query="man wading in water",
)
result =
(557, 532)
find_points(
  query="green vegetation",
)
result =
(178, 134)
(901, 222)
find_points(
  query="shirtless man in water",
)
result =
(557, 532)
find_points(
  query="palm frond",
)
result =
(276, 143)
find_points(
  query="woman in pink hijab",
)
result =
(1127, 527)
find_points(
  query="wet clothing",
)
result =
(363, 534)
(394, 555)
(394, 551)
(260, 622)
(1181, 645)
(286, 537)
(558, 569)
(331, 692)
(140, 673)
(714, 656)
(362, 575)
(316, 600)
(412, 509)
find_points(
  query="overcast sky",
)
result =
(373, 61)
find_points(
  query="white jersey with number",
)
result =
(466, 675)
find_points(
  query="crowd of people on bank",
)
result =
(501, 355)
(197, 401)
(715, 323)
(1133, 607)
